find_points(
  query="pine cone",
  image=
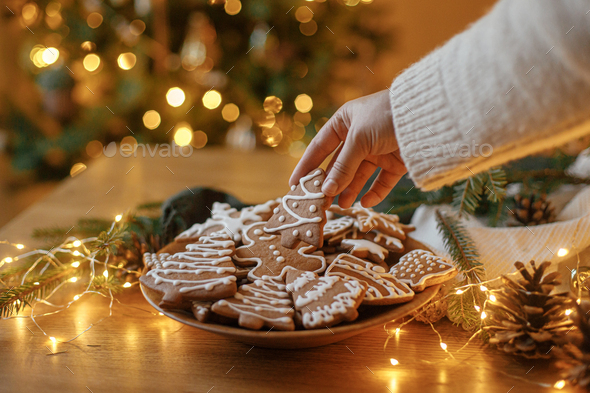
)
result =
(534, 209)
(575, 356)
(525, 319)
(433, 311)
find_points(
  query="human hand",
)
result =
(365, 125)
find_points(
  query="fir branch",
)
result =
(467, 194)
(495, 184)
(461, 247)
(16, 298)
(14, 271)
(461, 308)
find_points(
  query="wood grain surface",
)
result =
(137, 350)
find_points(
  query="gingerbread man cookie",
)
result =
(325, 301)
(228, 220)
(301, 216)
(203, 272)
(420, 269)
(265, 302)
(272, 259)
(383, 288)
(368, 220)
(366, 249)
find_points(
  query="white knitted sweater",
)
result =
(517, 81)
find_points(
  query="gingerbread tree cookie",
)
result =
(338, 229)
(265, 302)
(301, 216)
(325, 301)
(420, 269)
(203, 272)
(228, 220)
(271, 258)
(368, 220)
(383, 288)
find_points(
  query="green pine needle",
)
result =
(461, 247)
(467, 194)
(495, 184)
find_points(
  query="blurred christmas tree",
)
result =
(260, 72)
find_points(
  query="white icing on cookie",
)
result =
(362, 245)
(308, 233)
(221, 215)
(308, 195)
(295, 232)
(313, 208)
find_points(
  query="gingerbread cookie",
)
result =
(368, 220)
(265, 302)
(301, 216)
(366, 249)
(420, 269)
(383, 288)
(325, 301)
(228, 220)
(271, 258)
(203, 272)
(337, 230)
(201, 310)
(392, 244)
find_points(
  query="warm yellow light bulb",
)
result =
(212, 99)
(52, 339)
(36, 283)
(118, 217)
(175, 97)
(75, 264)
(477, 308)
(73, 279)
(492, 298)
(443, 346)
(20, 246)
(568, 311)
(151, 120)
(126, 61)
(76, 253)
(483, 315)
(77, 243)
(127, 285)
(397, 331)
(76, 297)
(106, 274)
(91, 62)
(183, 135)
(483, 288)
(459, 291)
(303, 103)
(559, 384)
(8, 260)
(394, 362)
(50, 55)
(562, 252)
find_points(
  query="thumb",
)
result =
(344, 165)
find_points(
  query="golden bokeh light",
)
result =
(233, 7)
(267, 120)
(272, 136)
(30, 12)
(175, 97)
(302, 118)
(94, 20)
(53, 8)
(126, 61)
(94, 149)
(303, 103)
(199, 139)
(88, 46)
(77, 169)
(298, 132)
(297, 149)
(137, 27)
(230, 112)
(308, 28)
(50, 55)
(91, 62)
(212, 99)
(351, 3)
(129, 140)
(366, 1)
(272, 104)
(151, 119)
(183, 135)
(303, 14)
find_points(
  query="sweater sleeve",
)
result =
(514, 83)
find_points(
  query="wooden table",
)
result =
(137, 350)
